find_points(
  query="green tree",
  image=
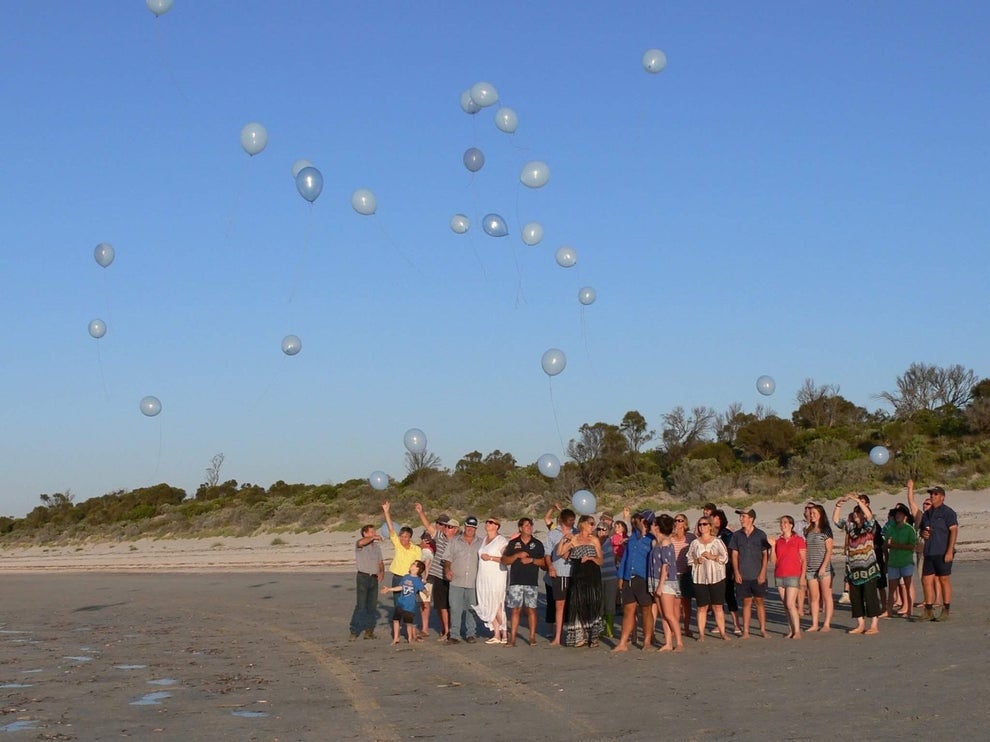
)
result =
(636, 431)
(600, 451)
(768, 439)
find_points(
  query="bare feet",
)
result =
(811, 629)
(395, 641)
(826, 628)
(511, 643)
(745, 635)
(666, 648)
(554, 643)
(532, 641)
(796, 635)
(764, 634)
(725, 637)
(857, 630)
(679, 648)
(621, 647)
(871, 631)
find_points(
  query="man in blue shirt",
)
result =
(560, 569)
(632, 582)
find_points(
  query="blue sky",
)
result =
(801, 193)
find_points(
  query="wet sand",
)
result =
(267, 656)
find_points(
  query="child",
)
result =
(405, 602)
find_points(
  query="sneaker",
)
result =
(493, 640)
(470, 640)
(370, 634)
(451, 640)
(844, 599)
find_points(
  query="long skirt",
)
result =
(584, 598)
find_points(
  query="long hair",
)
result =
(823, 524)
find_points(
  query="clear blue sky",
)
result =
(801, 193)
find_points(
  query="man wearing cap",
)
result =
(460, 565)
(370, 573)
(750, 550)
(939, 527)
(524, 556)
(442, 531)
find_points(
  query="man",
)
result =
(610, 573)
(406, 552)
(442, 530)
(560, 569)
(460, 565)
(633, 585)
(524, 555)
(939, 528)
(750, 551)
(370, 573)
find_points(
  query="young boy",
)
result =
(405, 602)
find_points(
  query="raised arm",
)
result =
(913, 504)
(387, 509)
(427, 524)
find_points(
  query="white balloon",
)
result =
(97, 328)
(566, 257)
(484, 94)
(467, 103)
(532, 233)
(879, 455)
(554, 361)
(549, 465)
(587, 295)
(254, 138)
(766, 386)
(364, 202)
(104, 254)
(507, 120)
(535, 174)
(654, 61)
(378, 480)
(159, 7)
(300, 165)
(460, 223)
(150, 406)
(584, 502)
(291, 345)
(414, 440)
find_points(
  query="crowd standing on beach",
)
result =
(645, 569)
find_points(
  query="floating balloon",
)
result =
(309, 183)
(104, 254)
(254, 138)
(549, 465)
(535, 174)
(299, 165)
(766, 386)
(364, 202)
(150, 406)
(378, 480)
(460, 223)
(484, 94)
(494, 225)
(474, 159)
(291, 345)
(159, 7)
(654, 61)
(414, 440)
(879, 455)
(554, 361)
(467, 103)
(587, 295)
(532, 233)
(566, 257)
(584, 502)
(507, 120)
(97, 328)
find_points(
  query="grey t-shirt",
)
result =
(368, 558)
(463, 558)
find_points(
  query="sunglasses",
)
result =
(492, 523)
(704, 523)
(679, 520)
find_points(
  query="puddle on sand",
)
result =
(20, 726)
(163, 681)
(151, 699)
(129, 667)
(16, 685)
(245, 714)
(79, 658)
(37, 669)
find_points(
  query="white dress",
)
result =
(491, 582)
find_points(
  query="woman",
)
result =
(862, 568)
(818, 536)
(720, 526)
(425, 596)
(791, 556)
(901, 542)
(664, 583)
(610, 574)
(584, 591)
(491, 582)
(619, 539)
(708, 556)
(681, 539)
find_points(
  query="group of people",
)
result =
(648, 568)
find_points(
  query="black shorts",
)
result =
(404, 616)
(636, 591)
(936, 565)
(559, 585)
(441, 592)
(686, 582)
(750, 589)
(713, 594)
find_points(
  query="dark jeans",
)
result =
(366, 609)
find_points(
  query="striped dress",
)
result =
(816, 552)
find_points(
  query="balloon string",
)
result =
(99, 363)
(165, 64)
(584, 337)
(520, 292)
(237, 198)
(553, 406)
(301, 262)
(477, 219)
(395, 247)
(268, 386)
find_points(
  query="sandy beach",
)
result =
(241, 639)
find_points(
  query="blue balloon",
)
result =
(414, 440)
(309, 183)
(494, 225)
(474, 159)
(549, 465)
(103, 254)
(291, 345)
(97, 328)
(879, 455)
(584, 502)
(150, 406)
(766, 386)
(378, 480)
(554, 361)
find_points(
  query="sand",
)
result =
(198, 641)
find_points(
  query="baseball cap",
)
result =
(751, 513)
(936, 491)
(648, 517)
(901, 508)
(471, 521)
(453, 523)
(443, 519)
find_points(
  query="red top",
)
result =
(788, 553)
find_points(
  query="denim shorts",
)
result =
(788, 581)
(671, 587)
(896, 573)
